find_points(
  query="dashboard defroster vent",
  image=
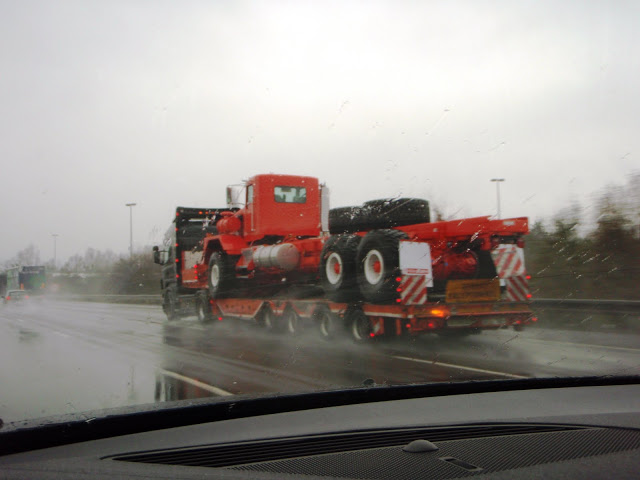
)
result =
(242, 453)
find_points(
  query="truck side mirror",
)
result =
(156, 254)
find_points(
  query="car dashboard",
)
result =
(590, 431)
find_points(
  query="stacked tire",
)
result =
(379, 214)
(354, 267)
(338, 268)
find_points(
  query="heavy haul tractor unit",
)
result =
(278, 241)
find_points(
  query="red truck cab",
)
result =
(279, 206)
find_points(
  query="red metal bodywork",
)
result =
(264, 216)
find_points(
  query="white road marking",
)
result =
(582, 345)
(460, 367)
(197, 383)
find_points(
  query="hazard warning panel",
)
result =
(518, 289)
(413, 290)
(417, 275)
(509, 261)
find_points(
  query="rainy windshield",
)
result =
(456, 186)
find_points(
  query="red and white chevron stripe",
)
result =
(413, 290)
(509, 261)
(517, 288)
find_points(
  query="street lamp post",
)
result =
(55, 239)
(498, 181)
(130, 205)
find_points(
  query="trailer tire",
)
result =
(291, 321)
(378, 265)
(328, 323)
(338, 268)
(203, 310)
(396, 212)
(272, 322)
(220, 275)
(359, 325)
(377, 214)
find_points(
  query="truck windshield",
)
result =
(290, 194)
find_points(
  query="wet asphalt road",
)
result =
(70, 357)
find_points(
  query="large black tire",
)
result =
(272, 322)
(221, 275)
(291, 321)
(329, 324)
(203, 309)
(338, 268)
(379, 214)
(397, 212)
(359, 325)
(378, 265)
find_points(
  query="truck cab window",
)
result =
(249, 194)
(290, 194)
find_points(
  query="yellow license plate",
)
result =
(467, 291)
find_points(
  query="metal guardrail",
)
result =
(141, 299)
(592, 305)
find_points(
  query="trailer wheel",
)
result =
(203, 310)
(338, 268)
(377, 266)
(272, 322)
(291, 320)
(328, 323)
(359, 325)
(221, 275)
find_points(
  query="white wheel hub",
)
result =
(373, 267)
(334, 268)
(215, 275)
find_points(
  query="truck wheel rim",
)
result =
(334, 268)
(373, 267)
(215, 275)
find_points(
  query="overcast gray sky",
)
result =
(164, 103)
